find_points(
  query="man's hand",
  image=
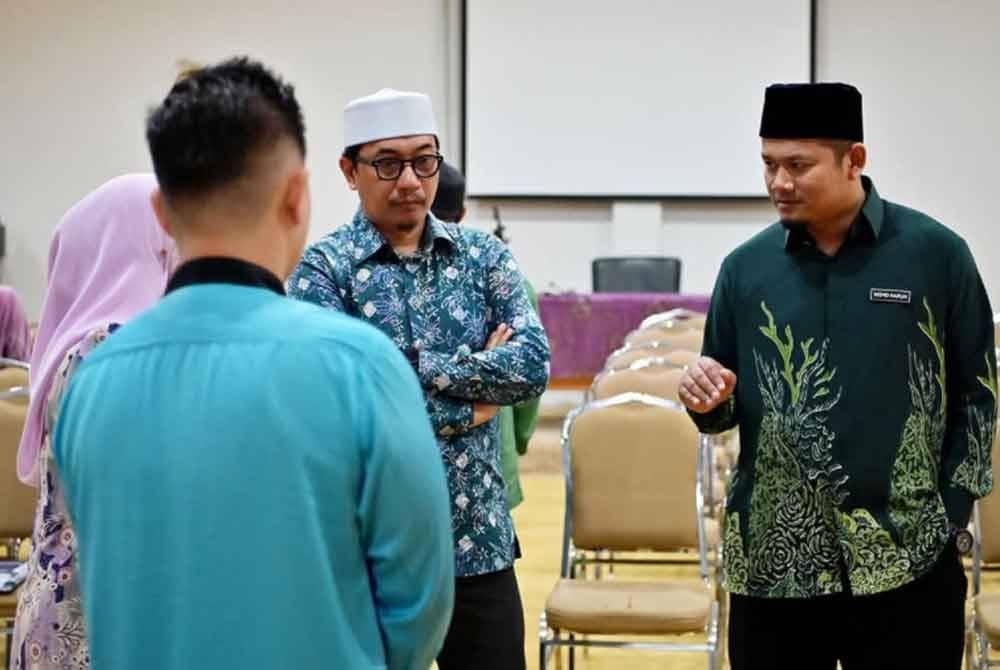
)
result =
(499, 337)
(481, 412)
(706, 385)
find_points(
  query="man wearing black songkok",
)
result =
(852, 344)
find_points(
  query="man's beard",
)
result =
(794, 223)
(406, 226)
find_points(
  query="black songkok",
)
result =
(812, 111)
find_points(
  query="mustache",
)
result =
(409, 200)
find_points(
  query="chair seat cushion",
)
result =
(621, 607)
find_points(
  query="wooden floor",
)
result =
(539, 525)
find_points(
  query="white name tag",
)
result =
(900, 296)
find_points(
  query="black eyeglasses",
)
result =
(389, 169)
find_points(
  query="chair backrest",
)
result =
(12, 378)
(679, 357)
(632, 470)
(651, 377)
(626, 357)
(651, 274)
(678, 338)
(676, 317)
(17, 513)
(989, 512)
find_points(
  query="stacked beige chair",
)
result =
(673, 337)
(996, 333)
(679, 317)
(677, 337)
(662, 380)
(18, 509)
(14, 376)
(985, 624)
(17, 512)
(646, 498)
(651, 376)
(626, 356)
(666, 334)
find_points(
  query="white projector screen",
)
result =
(621, 98)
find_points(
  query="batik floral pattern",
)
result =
(49, 630)
(440, 304)
(791, 547)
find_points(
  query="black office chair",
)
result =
(636, 274)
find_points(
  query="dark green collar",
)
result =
(866, 228)
(874, 208)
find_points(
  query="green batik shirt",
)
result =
(517, 425)
(865, 398)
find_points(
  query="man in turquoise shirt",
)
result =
(254, 480)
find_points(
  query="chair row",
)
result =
(634, 468)
(639, 485)
(17, 512)
(984, 626)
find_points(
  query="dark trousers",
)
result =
(487, 627)
(920, 625)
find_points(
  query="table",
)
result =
(584, 329)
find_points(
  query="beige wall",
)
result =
(78, 80)
(78, 83)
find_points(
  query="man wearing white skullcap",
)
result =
(452, 299)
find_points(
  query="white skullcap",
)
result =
(388, 114)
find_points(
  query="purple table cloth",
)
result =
(15, 332)
(584, 328)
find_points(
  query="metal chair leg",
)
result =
(970, 653)
(8, 645)
(543, 632)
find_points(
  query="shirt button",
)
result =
(418, 344)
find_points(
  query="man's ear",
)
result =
(858, 158)
(350, 170)
(160, 209)
(295, 202)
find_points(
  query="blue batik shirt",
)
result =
(441, 304)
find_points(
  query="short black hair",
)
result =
(449, 203)
(351, 152)
(214, 120)
(840, 147)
